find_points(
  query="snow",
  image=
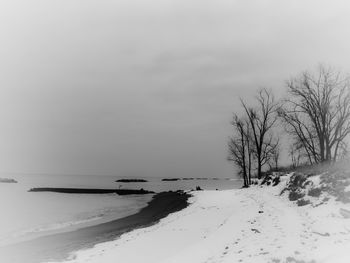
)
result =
(243, 225)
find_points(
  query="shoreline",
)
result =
(256, 224)
(59, 246)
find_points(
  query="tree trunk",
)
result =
(259, 167)
(250, 168)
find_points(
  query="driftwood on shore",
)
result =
(91, 191)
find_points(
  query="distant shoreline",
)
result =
(58, 246)
(7, 180)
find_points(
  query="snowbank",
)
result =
(246, 225)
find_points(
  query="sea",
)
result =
(27, 215)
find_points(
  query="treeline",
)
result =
(315, 115)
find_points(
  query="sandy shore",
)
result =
(59, 246)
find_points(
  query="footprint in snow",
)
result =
(264, 253)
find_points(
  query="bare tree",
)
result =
(317, 113)
(294, 156)
(275, 157)
(298, 155)
(304, 137)
(239, 149)
(262, 120)
(250, 148)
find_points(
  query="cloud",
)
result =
(148, 86)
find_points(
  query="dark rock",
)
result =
(302, 202)
(315, 192)
(276, 180)
(295, 195)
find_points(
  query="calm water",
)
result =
(26, 215)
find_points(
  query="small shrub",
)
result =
(271, 180)
(267, 180)
(295, 186)
(297, 181)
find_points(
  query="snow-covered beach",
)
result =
(242, 225)
(41, 226)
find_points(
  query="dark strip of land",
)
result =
(131, 181)
(170, 179)
(92, 191)
(59, 246)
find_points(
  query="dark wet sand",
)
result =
(57, 247)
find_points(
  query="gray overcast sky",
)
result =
(147, 88)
